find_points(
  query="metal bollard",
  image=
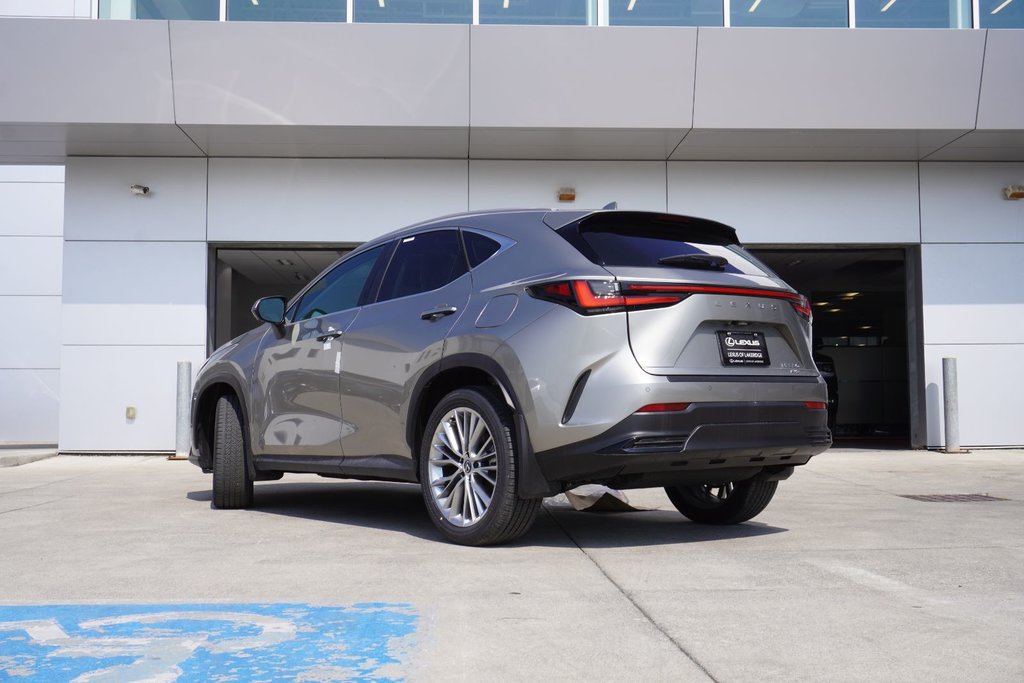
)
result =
(950, 406)
(183, 432)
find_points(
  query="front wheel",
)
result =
(726, 503)
(232, 482)
(468, 471)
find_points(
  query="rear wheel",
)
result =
(232, 483)
(726, 503)
(468, 471)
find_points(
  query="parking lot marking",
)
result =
(202, 642)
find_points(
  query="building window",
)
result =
(287, 10)
(204, 10)
(1001, 13)
(801, 13)
(665, 12)
(414, 11)
(581, 12)
(914, 13)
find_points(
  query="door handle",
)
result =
(329, 336)
(439, 312)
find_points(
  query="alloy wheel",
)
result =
(463, 466)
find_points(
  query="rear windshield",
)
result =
(632, 244)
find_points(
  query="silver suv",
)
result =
(500, 357)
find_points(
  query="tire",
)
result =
(494, 513)
(729, 503)
(232, 481)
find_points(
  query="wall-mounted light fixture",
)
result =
(567, 194)
(139, 190)
(1014, 191)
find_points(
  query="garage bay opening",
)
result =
(862, 333)
(243, 275)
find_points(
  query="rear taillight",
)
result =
(591, 297)
(815, 405)
(803, 306)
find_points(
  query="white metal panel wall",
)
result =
(328, 200)
(135, 299)
(31, 222)
(100, 205)
(801, 202)
(974, 312)
(502, 184)
(973, 303)
(964, 202)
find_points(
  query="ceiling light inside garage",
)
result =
(886, 6)
(285, 262)
(633, 2)
(757, 3)
(1000, 8)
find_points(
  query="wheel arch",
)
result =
(204, 409)
(473, 369)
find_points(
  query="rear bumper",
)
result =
(706, 443)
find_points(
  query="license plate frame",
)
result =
(743, 349)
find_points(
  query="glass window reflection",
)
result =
(665, 12)
(287, 10)
(914, 13)
(1002, 13)
(538, 12)
(820, 13)
(414, 11)
(202, 10)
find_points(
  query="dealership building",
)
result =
(163, 163)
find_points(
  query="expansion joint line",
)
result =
(646, 615)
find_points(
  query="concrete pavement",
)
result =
(840, 579)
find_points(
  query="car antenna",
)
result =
(611, 206)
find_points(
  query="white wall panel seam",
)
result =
(981, 75)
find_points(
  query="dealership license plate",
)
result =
(743, 348)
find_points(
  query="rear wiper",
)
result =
(695, 261)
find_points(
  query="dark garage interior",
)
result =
(860, 328)
(245, 275)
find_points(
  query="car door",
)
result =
(297, 402)
(424, 290)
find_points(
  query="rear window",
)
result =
(643, 243)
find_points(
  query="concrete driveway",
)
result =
(840, 579)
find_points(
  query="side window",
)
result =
(478, 247)
(422, 263)
(340, 288)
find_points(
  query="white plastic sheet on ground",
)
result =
(598, 498)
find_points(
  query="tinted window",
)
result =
(1002, 14)
(913, 14)
(414, 11)
(536, 12)
(665, 13)
(287, 10)
(478, 247)
(791, 12)
(340, 288)
(643, 245)
(423, 263)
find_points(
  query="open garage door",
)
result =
(243, 275)
(861, 299)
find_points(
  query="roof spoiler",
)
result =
(688, 227)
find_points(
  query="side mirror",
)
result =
(270, 309)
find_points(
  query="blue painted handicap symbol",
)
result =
(207, 643)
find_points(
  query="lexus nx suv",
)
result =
(499, 357)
